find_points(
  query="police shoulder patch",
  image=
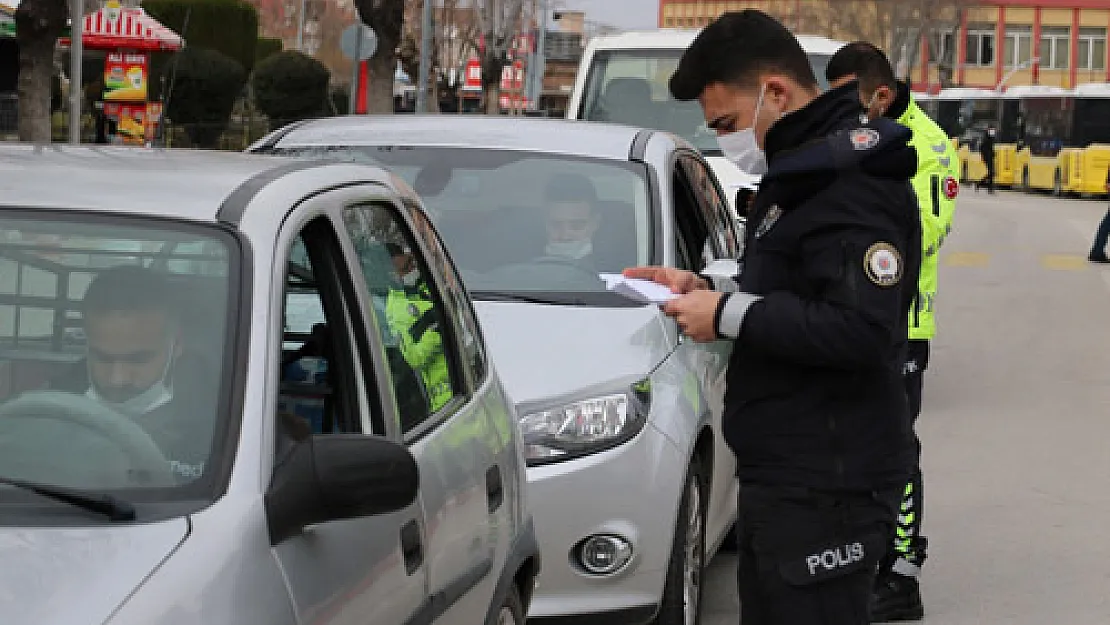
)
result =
(864, 138)
(883, 264)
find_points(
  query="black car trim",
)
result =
(235, 204)
(524, 548)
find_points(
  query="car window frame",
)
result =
(356, 377)
(462, 396)
(460, 305)
(169, 502)
(680, 180)
(717, 211)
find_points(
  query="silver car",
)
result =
(630, 478)
(240, 390)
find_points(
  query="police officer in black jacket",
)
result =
(815, 409)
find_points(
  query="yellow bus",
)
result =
(1049, 139)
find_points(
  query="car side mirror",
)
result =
(336, 477)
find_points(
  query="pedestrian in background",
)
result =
(815, 409)
(986, 150)
(936, 183)
(1102, 235)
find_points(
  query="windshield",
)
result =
(112, 352)
(537, 225)
(630, 87)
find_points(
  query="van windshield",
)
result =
(630, 87)
(113, 353)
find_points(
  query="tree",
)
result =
(227, 26)
(499, 22)
(205, 89)
(38, 24)
(290, 86)
(265, 48)
(386, 17)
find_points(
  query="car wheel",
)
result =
(682, 593)
(511, 611)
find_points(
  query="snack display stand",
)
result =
(128, 35)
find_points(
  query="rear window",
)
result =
(630, 87)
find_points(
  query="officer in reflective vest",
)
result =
(413, 319)
(897, 594)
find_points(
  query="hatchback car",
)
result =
(221, 402)
(632, 483)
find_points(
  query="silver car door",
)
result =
(450, 434)
(366, 570)
(716, 240)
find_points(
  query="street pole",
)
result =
(355, 76)
(300, 26)
(76, 54)
(541, 56)
(425, 58)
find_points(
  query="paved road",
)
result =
(1016, 424)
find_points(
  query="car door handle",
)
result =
(412, 548)
(495, 492)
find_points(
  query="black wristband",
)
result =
(717, 315)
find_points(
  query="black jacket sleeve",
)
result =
(857, 276)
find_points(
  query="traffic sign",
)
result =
(358, 42)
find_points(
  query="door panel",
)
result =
(358, 570)
(448, 432)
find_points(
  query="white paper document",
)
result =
(637, 289)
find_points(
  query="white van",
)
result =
(623, 78)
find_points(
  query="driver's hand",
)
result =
(678, 280)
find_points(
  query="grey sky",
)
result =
(624, 14)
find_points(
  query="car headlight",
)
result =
(585, 426)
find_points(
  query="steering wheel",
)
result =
(82, 413)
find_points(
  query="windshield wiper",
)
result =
(497, 296)
(114, 508)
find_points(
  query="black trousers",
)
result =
(809, 557)
(909, 545)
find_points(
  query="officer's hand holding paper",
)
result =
(692, 304)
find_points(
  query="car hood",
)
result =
(78, 576)
(546, 353)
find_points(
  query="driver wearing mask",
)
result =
(134, 364)
(571, 220)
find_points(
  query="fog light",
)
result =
(604, 555)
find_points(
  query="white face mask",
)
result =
(570, 249)
(411, 278)
(159, 394)
(741, 146)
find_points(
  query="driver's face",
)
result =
(128, 352)
(571, 222)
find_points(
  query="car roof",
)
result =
(681, 38)
(187, 184)
(530, 134)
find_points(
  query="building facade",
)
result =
(985, 43)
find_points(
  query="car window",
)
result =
(713, 207)
(630, 87)
(409, 313)
(114, 351)
(470, 345)
(325, 386)
(690, 220)
(537, 225)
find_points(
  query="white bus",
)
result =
(623, 78)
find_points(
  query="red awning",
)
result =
(119, 28)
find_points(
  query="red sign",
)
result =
(512, 76)
(125, 77)
(951, 187)
(473, 77)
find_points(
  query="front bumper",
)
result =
(632, 491)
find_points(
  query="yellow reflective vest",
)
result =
(937, 185)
